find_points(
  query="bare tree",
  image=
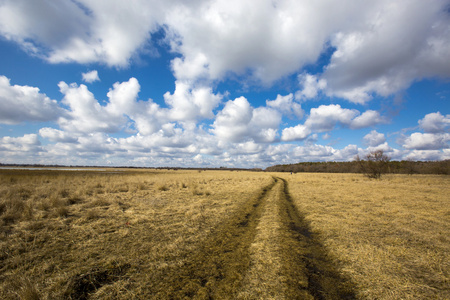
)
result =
(374, 165)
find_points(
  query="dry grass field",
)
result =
(166, 234)
(391, 236)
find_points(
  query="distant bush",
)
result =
(374, 165)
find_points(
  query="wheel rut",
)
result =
(266, 251)
(324, 280)
(216, 268)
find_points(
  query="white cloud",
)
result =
(374, 138)
(270, 41)
(367, 119)
(249, 147)
(24, 103)
(311, 86)
(264, 124)
(56, 135)
(189, 103)
(124, 111)
(27, 143)
(123, 98)
(326, 136)
(427, 141)
(435, 123)
(383, 52)
(325, 117)
(425, 155)
(239, 121)
(378, 49)
(314, 152)
(384, 147)
(299, 132)
(90, 76)
(286, 105)
(232, 121)
(86, 114)
(83, 31)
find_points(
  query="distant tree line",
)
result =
(393, 167)
(129, 167)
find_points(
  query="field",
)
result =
(167, 234)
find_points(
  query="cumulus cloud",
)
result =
(325, 117)
(377, 47)
(314, 152)
(124, 110)
(239, 121)
(427, 141)
(24, 103)
(91, 76)
(311, 86)
(367, 119)
(375, 50)
(267, 40)
(55, 135)
(296, 133)
(27, 143)
(286, 105)
(435, 123)
(386, 53)
(188, 103)
(374, 138)
(384, 147)
(82, 31)
(232, 121)
(85, 114)
(425, 155)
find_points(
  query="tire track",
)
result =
(266, 251)
(323, 276)
(274, 273)
(287, 260)
(216, 269)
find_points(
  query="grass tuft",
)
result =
(163, 187)
(26, 290)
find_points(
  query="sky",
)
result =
(222, 83)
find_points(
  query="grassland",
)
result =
(391, 236)
(140, 234)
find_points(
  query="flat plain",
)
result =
(185, 234)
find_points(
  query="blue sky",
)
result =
(223, 83)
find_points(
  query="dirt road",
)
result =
(266, 251)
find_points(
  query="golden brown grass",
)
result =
(112, 235)
(270, 275)
(159, 234)
(391, 236)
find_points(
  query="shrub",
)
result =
(375, 164)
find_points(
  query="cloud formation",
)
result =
(436, 135)
(24, 103)
(378, 50)
(90, 76)
(427, 141)
(239, 121)
(374, 138)
(435, 123)
(366, 50)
